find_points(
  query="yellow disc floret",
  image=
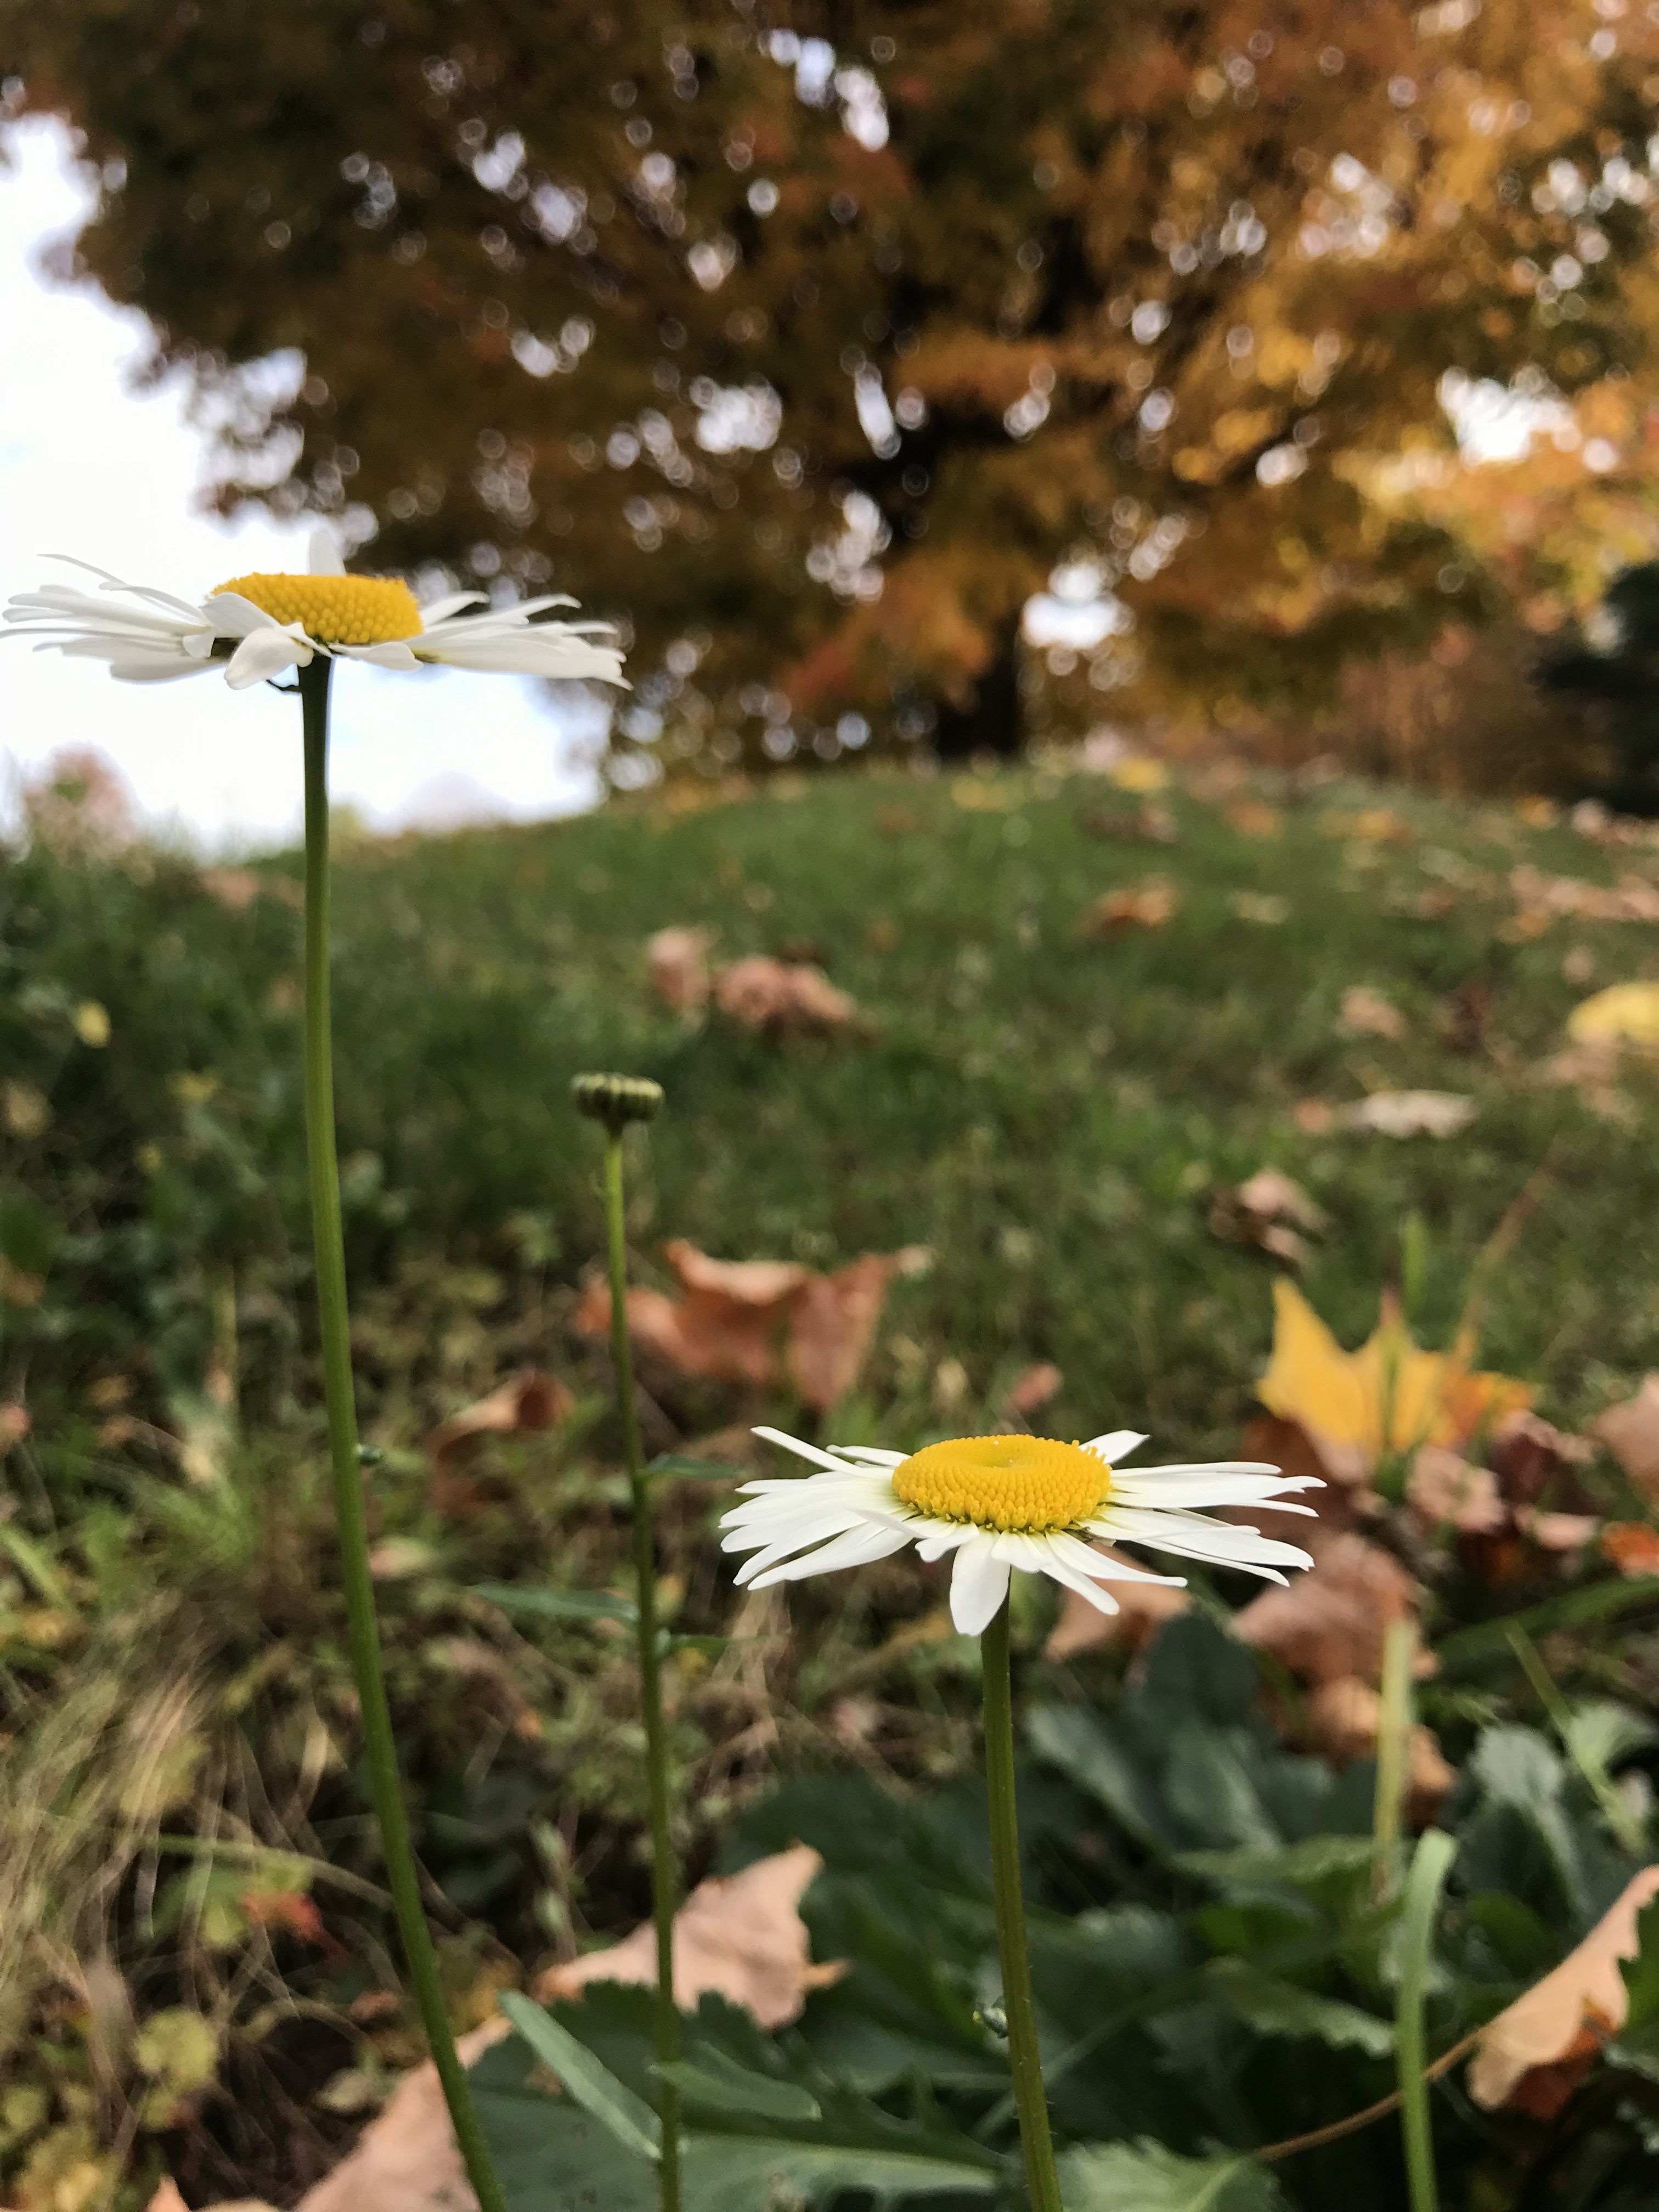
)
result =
(1027, 1485)
(335, 610)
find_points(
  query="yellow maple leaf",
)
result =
(1391, 1396)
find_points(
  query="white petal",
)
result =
(390, 653)
(1189, 1536)
(806, 1450)
(1083, 1559)
(766, 1550)
(1096, 1593)
(229, 615)
(545, 649)
(979, 1583)
(933, 1541)
(1115, 1444)
(440, 610)
(324, 554)
(859, 1548)
(1162, 1488)
(876, 1457)
(264, 653)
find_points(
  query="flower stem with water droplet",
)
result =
(385, 1787)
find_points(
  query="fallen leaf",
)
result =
(287, 1909)
(759, 1321)
(528, 1403)
(1143, 1608)
(1370, 825)
(1031, 1391)
(1444, 1490)
(1409, 1113)
(678, 961)
(1557, 1532)
(781, 997)
(1390, 1395)
(977, 794)
(739, 1936)
(1138, 772)
(1631, 1433)
(1146, 825)
(1250, 819)
(1625, 1013)
(14, 1426)
(1631, 1546)
(1528, 1456)
(1270, 1213)
(1585, 1996)
(1365, 1013)
(1315, 1117)
(1332, 1621)
(1541, 899)
(1345, 1719)
(1141, 906)
(406, 2160)
(832, 1323)
(1265, 909)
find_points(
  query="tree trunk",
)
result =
(992, 720)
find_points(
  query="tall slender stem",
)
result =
(1042, 2183)
(1433, 1856)
(351, 1511)
(656, 1740)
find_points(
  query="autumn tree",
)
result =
(815, 344)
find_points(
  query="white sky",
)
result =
(89, 468)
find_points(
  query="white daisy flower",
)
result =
(256, 626)
(1000, 1503)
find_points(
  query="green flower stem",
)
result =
(1430, 1863)
(1041, 2183)
(351, 1511)
(656, 1740)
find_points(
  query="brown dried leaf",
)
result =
(740, 1936)
(1444, 1490)
(406, 2161)
(1344, 1717)
(1251, 818)
(1143, 1608)
(832, 1323)
(14, 1426)
(1585, 1994)
(781, 997)
(1365, 1013)
(1332, 1620)
(1142, 906)
(1541, 899)
(1631, 1433)
(1528, 1454)
(678, 960)
(526, 1404)
(1409, 1113)
(1269, 1213)
(1631, 1546)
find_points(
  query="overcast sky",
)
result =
(89, 468)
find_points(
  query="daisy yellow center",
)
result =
(1025, 1484)
(335, 610)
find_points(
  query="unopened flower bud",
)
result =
(617, 1100)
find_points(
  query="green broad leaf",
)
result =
(1274, 2007)
(682, 1469)
(717, 2083)
(557, 1604)
(1641, 1979)
(1296, 1866)
(1092, 1758)
(1143, 2177)
(590, 2083)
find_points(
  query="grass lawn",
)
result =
(1050, 1106)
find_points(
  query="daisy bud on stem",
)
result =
(613, 1101)
(346, 1458)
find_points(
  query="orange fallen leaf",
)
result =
(1631, 1433)
(832, 1323)
(1365, 1013)
(759, 1321)
(1143, 1608)
(525, 1405)
(740, 1936)
(781, 997)
(1032, 1390)
(678, 961)
(1390, 1395)
(1585, 1996)
(1345, 1718)
(1332, 1621)
(287, 1909)
(1631, 1546)
(1143, 906)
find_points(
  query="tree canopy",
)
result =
(817, 346)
